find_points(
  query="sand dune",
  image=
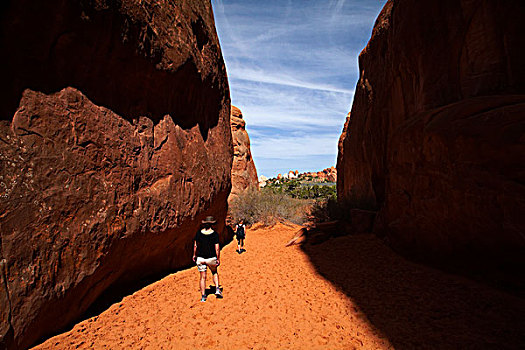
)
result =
(276, 297)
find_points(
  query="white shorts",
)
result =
(203, 263)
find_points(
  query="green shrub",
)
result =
(267, 206)
(302, 189)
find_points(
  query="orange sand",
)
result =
(274, 297)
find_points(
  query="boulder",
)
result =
(115, 142)
(435, 139)
(244, 174)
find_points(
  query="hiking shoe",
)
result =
(203, 298)
(218, 293)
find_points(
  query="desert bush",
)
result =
(330, 209)
(268, 207)
(326, 209)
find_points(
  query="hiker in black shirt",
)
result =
(240, 232)
(206, 253)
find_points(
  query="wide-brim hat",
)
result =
(209, 220)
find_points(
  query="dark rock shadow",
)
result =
(140, 276)
(118, 291)
(415, 306)
(114, 294)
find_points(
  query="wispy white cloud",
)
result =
(262, 76)
(289, 109)
(292, 67)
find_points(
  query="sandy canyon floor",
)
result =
(349, 292)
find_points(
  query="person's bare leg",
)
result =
(216, 279)
(203, 282)
(215, 274)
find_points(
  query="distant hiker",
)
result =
(240, 232)
(206, 253)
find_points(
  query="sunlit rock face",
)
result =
(115, 142)
(435, 138)
(244, 174)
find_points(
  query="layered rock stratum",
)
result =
(435, 138)
(244, 173)
(115, 142)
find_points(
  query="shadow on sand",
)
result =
(415, 306)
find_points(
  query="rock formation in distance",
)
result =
(435, 138)
(115, 142)
(326, 175)
(244, 174)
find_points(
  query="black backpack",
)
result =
(240, 230)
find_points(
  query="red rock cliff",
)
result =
(435, 139)
(115, 142)
(244, 174)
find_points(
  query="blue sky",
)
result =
(292, 68)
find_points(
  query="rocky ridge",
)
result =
(434, 141)
(325, 175)
(244, 173)
(328, 175)
(111, 114)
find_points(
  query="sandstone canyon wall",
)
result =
(115, 142)
(244, 174)
(435, 138)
